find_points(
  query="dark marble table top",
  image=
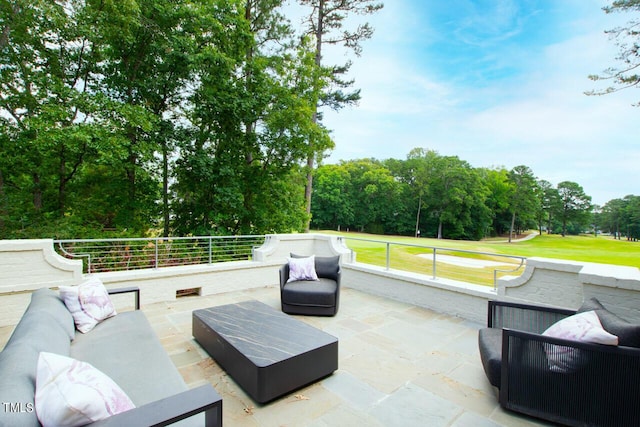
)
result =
(264, 335)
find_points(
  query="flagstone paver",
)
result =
(398, 365)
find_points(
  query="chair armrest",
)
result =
(600, 388)
(284, 275)
(524, 317)
(172, 409)
(128, 289)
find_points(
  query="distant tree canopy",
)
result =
(444, 197)
(621, 217)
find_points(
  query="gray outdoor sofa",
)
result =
(124, 347)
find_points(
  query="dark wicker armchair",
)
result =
(316, 298)
(603, 389)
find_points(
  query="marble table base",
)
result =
(267, 352)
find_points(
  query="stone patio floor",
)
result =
(399, 365)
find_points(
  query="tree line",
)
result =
(183, 116)
(431, 195)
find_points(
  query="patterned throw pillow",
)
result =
(302, 269)
(89, 303)
(582, 327)
(74, 393)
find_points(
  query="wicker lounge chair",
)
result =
(601, 389)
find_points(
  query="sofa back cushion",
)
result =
(326, 266)
(628, 333)
(46, 325)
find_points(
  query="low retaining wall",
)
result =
(31, 264)
(568, 283)
(441, 295)
(277, 247)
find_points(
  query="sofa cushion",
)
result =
(89, 303)
(582, 327)
(326, 266)
(302, 269)
(490, 346)
(44, 301)
(43, 327)
(126, 349)
(70, 392)
(590, 305)
(18, 384)
(318, 293)
(628, 333)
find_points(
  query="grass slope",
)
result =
(602, 249)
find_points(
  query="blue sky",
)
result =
(496, 83)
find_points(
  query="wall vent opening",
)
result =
(188, 292)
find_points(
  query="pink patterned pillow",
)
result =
(88, 303)
(582, 327)
(302, 269)
(74, 393)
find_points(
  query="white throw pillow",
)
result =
(89, 303)
(583, 327)
(74, 393)
(302, 269)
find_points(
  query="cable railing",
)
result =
(102, 255)
(481, 268)
(105, 255)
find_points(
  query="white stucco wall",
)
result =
(278, 247)
(31, 264)
(441, 295)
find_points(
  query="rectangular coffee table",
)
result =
(267, 352)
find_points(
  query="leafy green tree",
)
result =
(56, 120)
(326, 25)
(622, 217)
(455, 198)
(419, 165)
(498, 197)
(548, 203)
(632, 214)
(407, 213)
(375, 195)
(332, 203)
(251, 120)
(628, 216)
(522, 197)
(612, 213)
(575, 206)
(147, 63)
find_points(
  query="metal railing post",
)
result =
(210, 250)
(388, 255)
(434, 263)
(157, 257)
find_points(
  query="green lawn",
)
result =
(602, 249)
